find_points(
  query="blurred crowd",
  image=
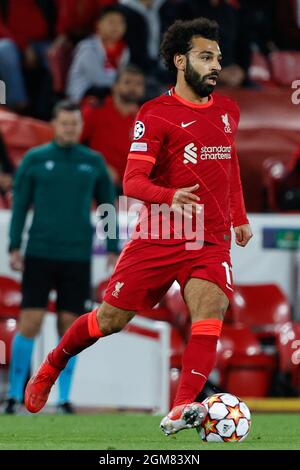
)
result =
(50, 48)
(104, 55)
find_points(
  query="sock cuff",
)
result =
(93, 326)
(23, 338)
(211, 326)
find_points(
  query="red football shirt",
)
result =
(108, 131)
(182, 144)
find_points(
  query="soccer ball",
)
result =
(228, 419)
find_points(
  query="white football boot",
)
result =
(186, 416)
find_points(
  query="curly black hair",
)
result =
(177, 38)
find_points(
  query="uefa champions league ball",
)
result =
(228, 419)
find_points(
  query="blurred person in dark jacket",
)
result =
(59, 181)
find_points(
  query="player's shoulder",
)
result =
(227, 104)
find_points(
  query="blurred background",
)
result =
(104, 55)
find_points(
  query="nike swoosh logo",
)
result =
(198, 373)
(186, 124)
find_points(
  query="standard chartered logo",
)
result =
(220, 152)
(190, 153)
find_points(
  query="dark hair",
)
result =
(130, 68)
(64, 105)
(177, 38)
(110, 9)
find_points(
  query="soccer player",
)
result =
(184, 139)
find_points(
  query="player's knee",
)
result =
(112, 320)
(30, 323)
(112, 325)
(219, 309)
(30, 330)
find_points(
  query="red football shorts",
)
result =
(145, 271)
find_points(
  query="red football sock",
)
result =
(82, 333)
(198, 359)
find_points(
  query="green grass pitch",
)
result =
(120, 431)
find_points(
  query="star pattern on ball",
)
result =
(233, 438)
(234, 413)
(210, 426)
(213, 399)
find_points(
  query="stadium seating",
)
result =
(282, 182)
(10, 298)
(245, 370)
(177, 349)
(259, 70)
(295, 358)
(59, 59)
(288, 345)
(269, 128)
(285, 67)
(262, 307)
(8, 328)
(158, 313)
(22, 133)
(179, 312)
(3, 203)
(174, 382)
(100, 290)
(274, 171)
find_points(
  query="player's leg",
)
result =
(207, 304)
(135, 284)
(84, 332)
(36, 285)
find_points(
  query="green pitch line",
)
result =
(135, 431)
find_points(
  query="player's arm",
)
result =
(149, 136)
(238, 213)
(22, 199)
(137, 184)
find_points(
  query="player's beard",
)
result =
(196, 81)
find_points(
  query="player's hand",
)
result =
(16, 261)
(243, 233)
(185, 196)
